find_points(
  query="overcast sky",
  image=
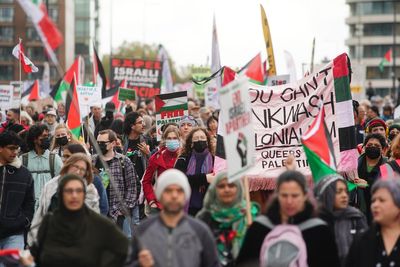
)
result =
(184, 27)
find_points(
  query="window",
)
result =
(82, 28)
(379, 29)
(82, 8)
(6, 73)
(35, 53)
(32, 34)
(374, 73)
(371, 8)
(5, 53)
(81, 49)
(6, 33)
(53, 13)
(378, 51)
(6, 14)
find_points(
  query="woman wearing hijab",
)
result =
(380, 245)
(224, 211)
(77, 164)
(345, 221)
(197, 162)
(74, 235)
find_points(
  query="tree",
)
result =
(146, 51)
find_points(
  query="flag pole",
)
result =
(20, 81)
(247, 198)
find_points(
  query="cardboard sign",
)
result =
(126, 94)
(170, 108)
(278, 80)
(142, 75)
(238, 129)
(87, 95)
(6, 96)
(198, 74)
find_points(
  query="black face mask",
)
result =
(199, 146)
(62, 141)
(103, 148)
(45, 143)
(373, 152)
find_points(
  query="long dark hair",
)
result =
(187, 149)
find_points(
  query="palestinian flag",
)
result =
(99, 76)
(58, 91)
(228, 76)
(255, 70)
(48, 32)
(26, 63)
(318, 147)
(72, 112)
(33, 92)
(386, 59)
(344, 107)
(171, 102)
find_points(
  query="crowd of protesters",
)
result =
(118, 197)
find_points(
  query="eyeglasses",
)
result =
(79, 169)
(140, 122)
(70, 191)
(13, 148)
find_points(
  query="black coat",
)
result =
(366, 251)
(16, 199)
(363, 195)
(319, 240)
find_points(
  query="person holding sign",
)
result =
(224, 211)
(159, 162)
(197, 161)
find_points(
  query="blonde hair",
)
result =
(54, 145)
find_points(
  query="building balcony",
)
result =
(371, 19)
(370, 40)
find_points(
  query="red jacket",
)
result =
(158, 163)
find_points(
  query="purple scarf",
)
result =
(204, 158)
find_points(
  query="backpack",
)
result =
(52, 157)
(284, 246)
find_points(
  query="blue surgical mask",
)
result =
(172, 145)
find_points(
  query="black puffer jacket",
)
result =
(16, 199)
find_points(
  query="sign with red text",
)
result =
(238, 130)
(142, 75)
(169, 109)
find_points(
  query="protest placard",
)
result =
(142, 75)
(87, 95)
(199, 73)
(170, 108)
(6, 96)
(126, 94)
(238, 129)
(278, 80)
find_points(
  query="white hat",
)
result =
(172, 177)
(95, 105)
(52, 112)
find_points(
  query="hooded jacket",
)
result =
(16, 199)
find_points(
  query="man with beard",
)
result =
(172, 238)
(43, 164)
(12, 122)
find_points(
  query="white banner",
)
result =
(238, 128)
(6, 96)
(87, 95)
